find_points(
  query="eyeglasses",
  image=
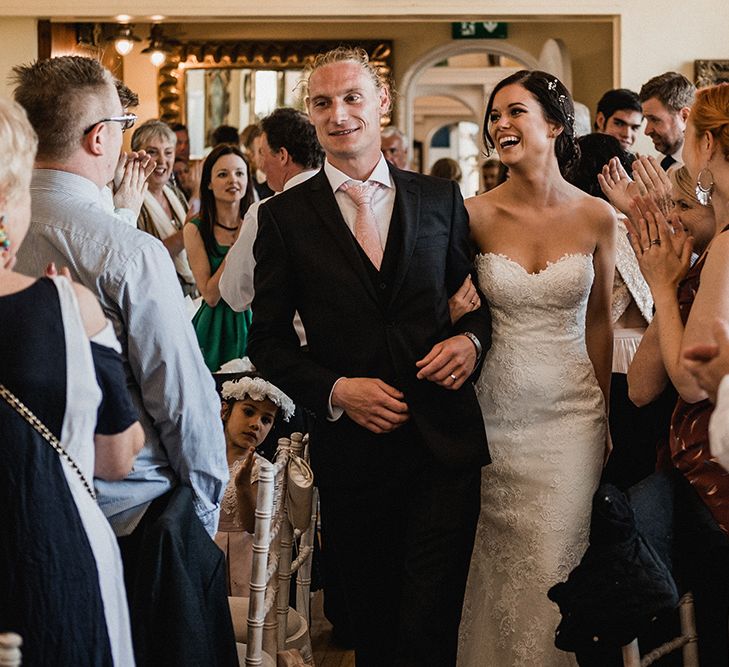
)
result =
(127, 121)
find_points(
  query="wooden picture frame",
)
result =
(710, 72)
(279, 55)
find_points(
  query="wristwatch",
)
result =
(476, 343)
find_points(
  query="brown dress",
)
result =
(690, 428)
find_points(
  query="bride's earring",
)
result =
(703, 192)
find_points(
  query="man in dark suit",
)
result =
(666, 100)
(369, 256)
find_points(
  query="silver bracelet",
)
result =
(476, 343)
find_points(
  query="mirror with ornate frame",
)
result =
(212, 83)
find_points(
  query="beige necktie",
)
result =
(365, 224)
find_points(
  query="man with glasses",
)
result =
(75, 109)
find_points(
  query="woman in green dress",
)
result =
(226, 192)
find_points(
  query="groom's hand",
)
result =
(371, 403)
(450, 362)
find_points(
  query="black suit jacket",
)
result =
(308, 260)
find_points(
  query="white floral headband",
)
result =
(256, 389)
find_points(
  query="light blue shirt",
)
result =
(133, 277)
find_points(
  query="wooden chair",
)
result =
(686, 642)
(10, 654)
(271, 625)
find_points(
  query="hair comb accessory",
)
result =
(552, 85)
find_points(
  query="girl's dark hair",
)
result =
(596, 150)
(556, 103)
(208, 211)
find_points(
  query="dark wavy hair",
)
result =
(208, 211)
(596, 150)
(557, 105)
(290, 129)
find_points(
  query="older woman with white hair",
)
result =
(62, 585)
(164, 210)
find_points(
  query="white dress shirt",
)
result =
(383, 199)
(383, 204)
(719, 425)
(236, 282)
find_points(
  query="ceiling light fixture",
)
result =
(159, 45)
(124, 38)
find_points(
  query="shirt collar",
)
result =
(300, 178)
(64, 181)
(380, 174)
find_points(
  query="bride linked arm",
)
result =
(209, 285)
(647, 377)
(598, 324)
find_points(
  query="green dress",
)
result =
(221, 332)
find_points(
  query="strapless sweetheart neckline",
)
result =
(550, 264)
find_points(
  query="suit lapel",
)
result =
(407, 203)
(326, 206)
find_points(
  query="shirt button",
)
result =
(383, 286)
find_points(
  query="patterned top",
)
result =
(690, 428)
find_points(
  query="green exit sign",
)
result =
(478, 30)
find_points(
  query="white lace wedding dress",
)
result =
(545, 421)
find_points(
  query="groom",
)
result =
(369, 255)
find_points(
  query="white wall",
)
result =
(18, 44)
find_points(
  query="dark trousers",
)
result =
(635, 433)
(403, 548)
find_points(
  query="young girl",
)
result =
(250, 407)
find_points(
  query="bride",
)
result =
(546, 266)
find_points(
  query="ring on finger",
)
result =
(656, 242)
(454, 377)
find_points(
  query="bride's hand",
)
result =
(464, 300)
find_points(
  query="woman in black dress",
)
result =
(61, 587)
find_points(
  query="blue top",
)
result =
(133, 277)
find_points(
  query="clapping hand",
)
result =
(617, 186)
(653, 181)
(243, 476)
(663, 249)
(132, 184)
(52, 271)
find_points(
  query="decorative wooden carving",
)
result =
(279, 55)
(709, 72)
